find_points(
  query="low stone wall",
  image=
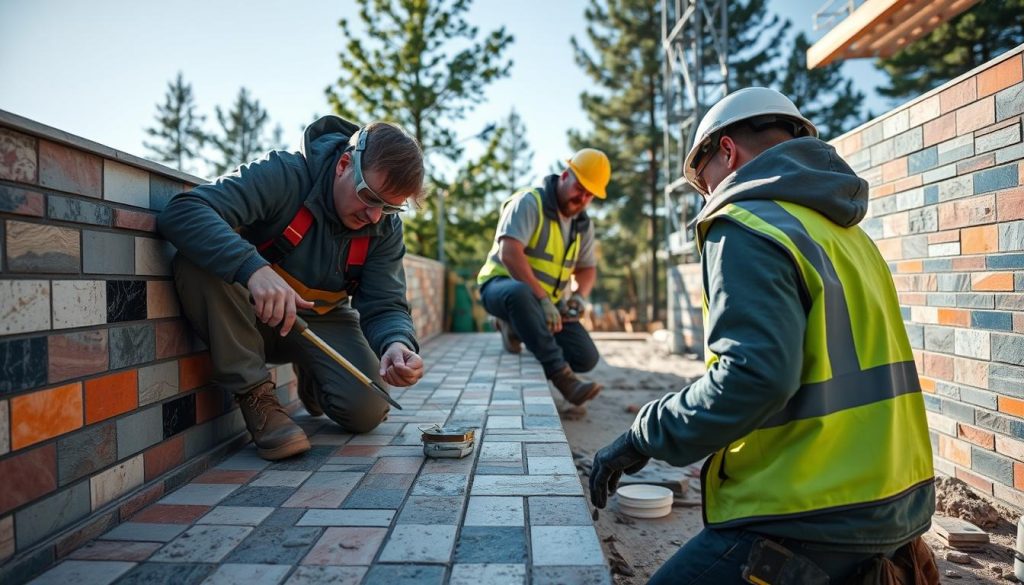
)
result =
(104, 401)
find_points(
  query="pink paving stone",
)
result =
(17, 157)
(108, 550)
(71, 170)
(346, 546)
(397, 465)
(359, 450)
(171, 514)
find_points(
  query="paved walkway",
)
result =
(370, 508)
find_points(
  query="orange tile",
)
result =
(1012, 406)
(940, 129)
(1000, 77)
(882, 190)
(1018, 475)
(979, 437)
(959, 95)
(894, 169)
(928, 385)
(194, 371)
(958, 317)
(974, 480)
(944, 237)
(171, 514)
(111, 395)
(908, 183)
(164, 456)
(44, 414)
(979, 240)
(958, 452)
(910, 266)
(992, 281)
(975, 116)
(225, 476)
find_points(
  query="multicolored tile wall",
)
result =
(104, 394)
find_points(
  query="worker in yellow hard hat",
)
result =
(544, 242)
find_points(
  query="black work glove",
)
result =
(609, 465)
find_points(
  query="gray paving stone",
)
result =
(374, 499)
(542, 422)
(491, 544)
(280, 478)
(431, 510)
(202, 544)
(419, 543)
(526, 485)
(548, 450)
(404, 575)
(495, 574)
(258, 496)
(557, 511)
(232, 574)
(145, 532)
(463, 465)
(494, 511)
(388, 481)
(236, 515)
(440, 484)
(565, 545)
(320, 517)
(495, 451)
(327, 576)
(275, 545)
(324, 490)
(245, 460)
(169, 573)
(551, 465)
(84, 573)
(309, 461)
(201, 494)
(501, 468)
(571, 576)
(284, 517)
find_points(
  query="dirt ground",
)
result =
(635, 370)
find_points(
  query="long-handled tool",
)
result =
(302, 327)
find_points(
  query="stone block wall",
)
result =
(685, 318)
(104, 395)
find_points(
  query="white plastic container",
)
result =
(1018, 553)
(644, 501)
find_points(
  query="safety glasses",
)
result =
(365, 194)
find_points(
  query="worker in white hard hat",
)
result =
(543, 242)
(810, 415)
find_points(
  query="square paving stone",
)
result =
(419, 543)
(346, 546)
(431, 510)
(202, 544)
(275, 545)
(176, 573)
(244, 460)
(404, 575)
(280, 478)
(495, 511)
(236, 515)
(463, 465)
(232, 574)
(109, 550)
(441, 484)
(258, 496)
(555, 511)
(324, 490)
(491, 544)
(327, 576)
(571, 576)
(388, 481)
(84, 573)
(565, 545)
(145, 532)
(492, 451)
(284, 517)
(347, 518)
(375, 499)
(199, 494)
(497, 574)
(309, 461)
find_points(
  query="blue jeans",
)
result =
(717, 557)
(513, 302)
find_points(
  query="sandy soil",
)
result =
(635, 370)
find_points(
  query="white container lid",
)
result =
(644, 496)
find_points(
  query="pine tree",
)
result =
(420, 64)
(756, 39)
(968, 40)
(241, 133)
(515, 151)
(178, 127)
(822, 95)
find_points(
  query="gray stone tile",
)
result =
(526, 485)
(139, 430)
(50, 514)
(284, 517)
(494, 451)
(440, 484)
(324, 490)
(571, 576)
(107, 253)
(496, 574)
(419, 543)
(565, 545)
(161, 191)
(321, 517)
(280, 478)
(494, 511)
(551, 466)
(557, 511)
(491, 544)
(236, 515)
(404, 575)
(83, 453)
(202, 544)
(78, 211)
(275, 545)
(309, 461)
(1010, 102)
(501, 468)
(431, 510)
(244, 460)
(132, 345)
(258, 496)
(158, 382)
(84, 573)
(145, 532)
(202, 494)
(374, 499)
(176, 573)
(327, 576)
(232, 574)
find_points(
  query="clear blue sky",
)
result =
(98, 69)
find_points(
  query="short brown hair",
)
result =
(394, 152)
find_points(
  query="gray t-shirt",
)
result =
(519, 220)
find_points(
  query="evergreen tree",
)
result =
(822, 95)
(624, 111)
(968, 40)
(178, 128)
(420, 64)
(514, 151)
(241, 133)
(756, 40)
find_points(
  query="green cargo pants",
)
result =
(240, 346)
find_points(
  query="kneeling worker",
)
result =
(544, 240)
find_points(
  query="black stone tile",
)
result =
(375, 499)
(404, 575)
(309, 461)
(179, 415)
(275, 545)
(132, 345)
(491, 544)
(23, 364)
(284, 517)
(126, 300)
(176, 573)
(78, 211)
(258, 496)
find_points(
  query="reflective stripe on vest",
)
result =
(855, 433)
(551, 262)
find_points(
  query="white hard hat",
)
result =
(745, 104)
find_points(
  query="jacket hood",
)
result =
(805, 171)
(324, 140)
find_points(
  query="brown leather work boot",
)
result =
(509, 341)
(307, 393)
(275, 434)
(572, 388)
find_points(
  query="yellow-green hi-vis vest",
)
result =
(855, 433)
(551, 261)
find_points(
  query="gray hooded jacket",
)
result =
(218, 226)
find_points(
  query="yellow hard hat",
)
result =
(592, 170)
